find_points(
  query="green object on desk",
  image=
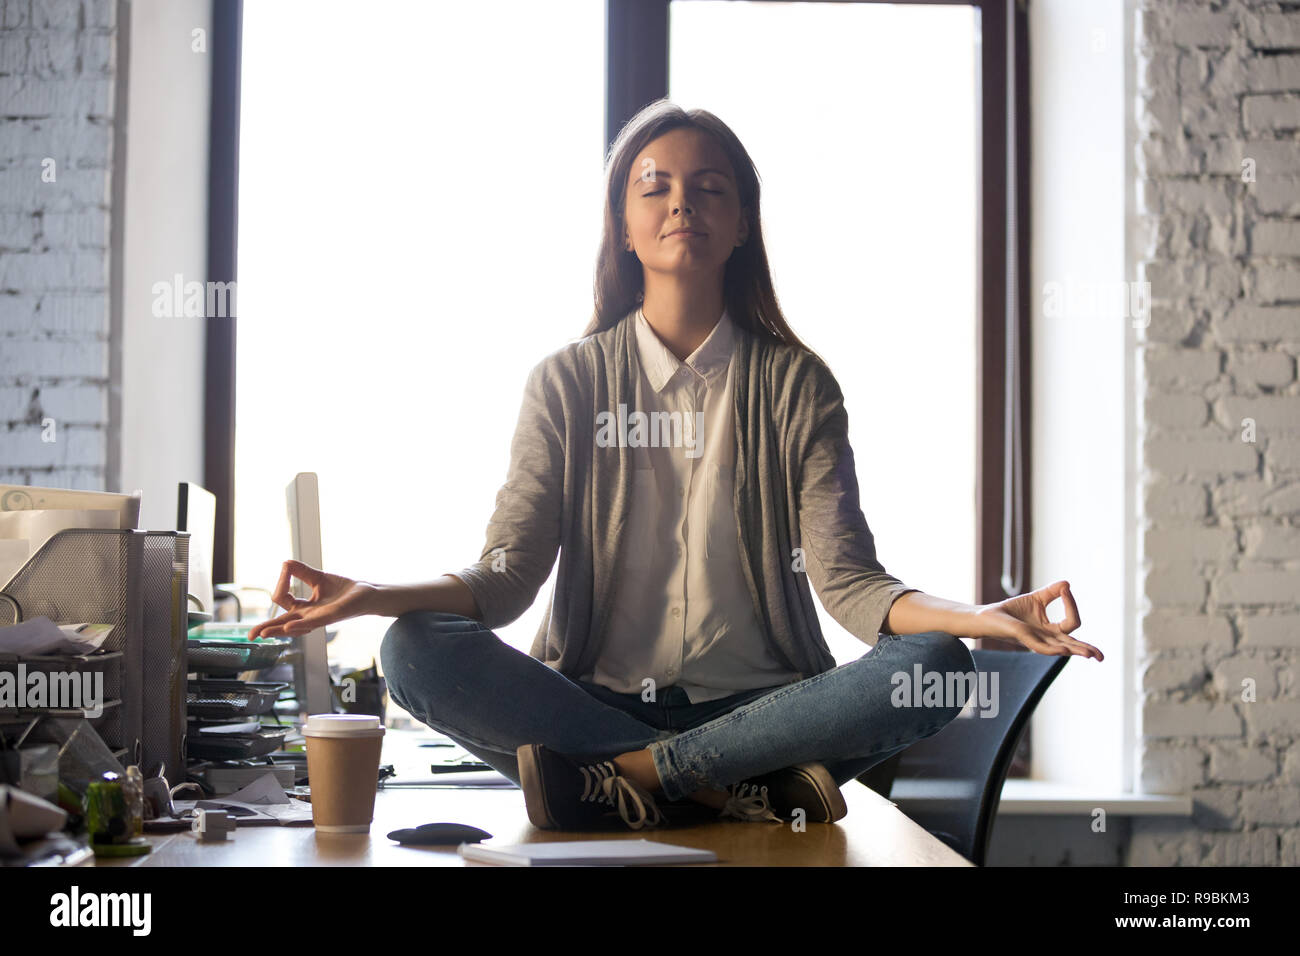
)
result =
(139, 846)
(108, 819)
(221, 631)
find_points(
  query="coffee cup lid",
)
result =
(340, 723)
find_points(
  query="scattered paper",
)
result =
(294, 811)
(36, 498)
(24, 816)
(262, 801)
(291, 811)
(468, 778)
(40, 635)
(265, 789)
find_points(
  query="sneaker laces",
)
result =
(602, 783)
(748, 802)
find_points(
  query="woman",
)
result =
(681, 661)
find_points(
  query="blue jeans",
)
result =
(461, 679)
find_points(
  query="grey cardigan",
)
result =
(795, 487)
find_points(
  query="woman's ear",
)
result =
(744, 227)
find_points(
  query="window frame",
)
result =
(223, 238)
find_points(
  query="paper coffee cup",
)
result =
(343, 770)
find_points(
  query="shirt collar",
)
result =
(708, 361)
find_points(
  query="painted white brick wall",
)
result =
(1218, 85)
(57, 61)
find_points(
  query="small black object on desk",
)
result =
(440, 833)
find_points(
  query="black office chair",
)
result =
(951, 782)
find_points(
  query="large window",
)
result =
(861, 121)
(420, 199)
(419, 212)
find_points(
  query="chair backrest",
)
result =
(951, 782)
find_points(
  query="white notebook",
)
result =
(586, 853)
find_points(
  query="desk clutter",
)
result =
(167, 708)
(101, 711)
(132, 584)
(123, 710)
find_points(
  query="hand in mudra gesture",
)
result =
(1024, 619)
(333, 598)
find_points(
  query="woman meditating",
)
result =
(688, 460)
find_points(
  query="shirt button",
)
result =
(677, 612)
(681, 492)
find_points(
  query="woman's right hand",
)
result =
(333, 598)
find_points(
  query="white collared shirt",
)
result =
(682, 613)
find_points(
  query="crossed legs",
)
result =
(457, 676)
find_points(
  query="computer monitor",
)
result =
(311, 667)
(196, 512)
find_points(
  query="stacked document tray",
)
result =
(225, 714)
(137, 582)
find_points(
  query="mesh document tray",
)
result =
(219, 657)
(105, 663)
(223, 746)
(231, 699)
(105, 672)
(136, 581)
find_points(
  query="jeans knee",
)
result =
(393, 659)
(409, 637)
(948, 653)
(423, 621)
(949, 656)
(425, 643)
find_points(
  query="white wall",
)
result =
(1081, 420)
(165, 233)
(1218, 202)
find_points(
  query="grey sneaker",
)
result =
(748, 802)
(565, 793)
(777, 795)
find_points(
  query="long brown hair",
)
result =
(747, 290)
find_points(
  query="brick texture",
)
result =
(1218, 187)
(57, 67)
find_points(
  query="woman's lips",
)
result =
(686, 235)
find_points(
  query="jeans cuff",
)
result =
(667, 775)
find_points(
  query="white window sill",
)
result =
(1045, 798)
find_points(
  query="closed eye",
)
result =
(716, 192)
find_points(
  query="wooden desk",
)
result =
(875, 832)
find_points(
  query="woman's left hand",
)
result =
(1024, 619)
